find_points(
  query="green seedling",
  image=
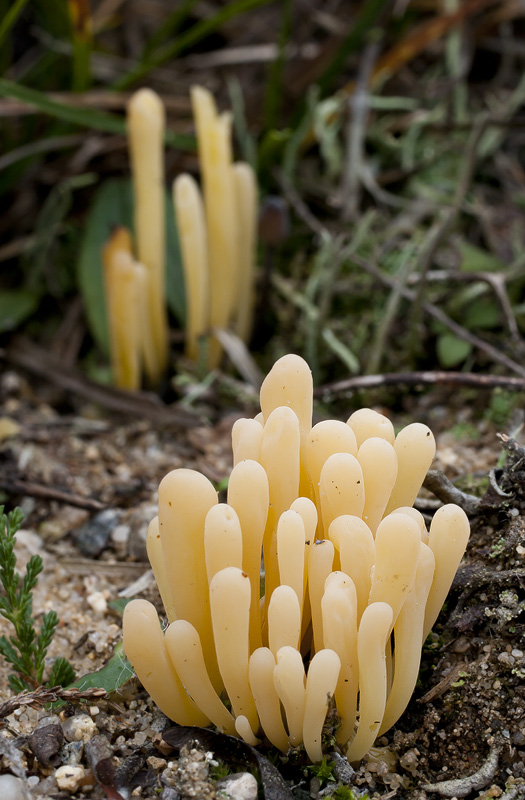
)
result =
(346, 793)
(220, 770)
(26, 649)
(324, 771)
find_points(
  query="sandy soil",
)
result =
(463, 734)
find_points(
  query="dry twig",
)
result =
(461, 787)
(355, 133)
(23, 353)
(33, 489)
(422, 378)
(43, 695)
(434, 311)
(438, 483)
(444, 684)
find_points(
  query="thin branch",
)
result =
(444, 684)
(461, 787)
(498, 283)
(442, 227)
(384, 326)
(43, 695)
(300, 206)
(434, 311)
(443, 488)
(358, 106)
(29, 356)
(32, 489)
(422, 378)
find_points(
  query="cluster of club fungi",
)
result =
(353, 580)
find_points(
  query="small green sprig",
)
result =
(25, 650)
(324, 771)
(347, 793)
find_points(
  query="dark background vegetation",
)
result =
(388, 139)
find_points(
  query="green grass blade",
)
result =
(10, 18)
(82, 42)
(168, 29)
(81, 63)
(85, 117)
(274, 89)
(368, 17)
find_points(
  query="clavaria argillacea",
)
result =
(353, 579)
(217, 231)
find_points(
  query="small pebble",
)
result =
(519, 738)
(409, 761)
(45, 743)
(494, 791)
(461, 645)
(241, 786)
(69, 777)
(343, 771)
(97, 602)
(92, 537)
(31, 541)
(169, 794)
(8, 427)
(92, 453)
(49, 719)
(11, 788)
(79, 729)
(72, 752)
(120, 534)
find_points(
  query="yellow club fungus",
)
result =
(125, 285)
(353, 580)
(217, 232)
(217, 228)
(146, 124)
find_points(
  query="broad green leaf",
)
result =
(112, 676)
(174, 272)
(16, 306)
(474, 259)
(484, 313)
(452, 350)
(113, 206)
(120, 604)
